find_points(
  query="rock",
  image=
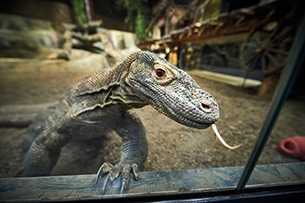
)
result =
(22, 33)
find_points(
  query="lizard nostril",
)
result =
(206, 107)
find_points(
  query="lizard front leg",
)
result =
(44, 151)
(134, 152)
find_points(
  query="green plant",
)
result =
(136, 17)
(79, 9)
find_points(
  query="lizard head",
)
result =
(171, 91)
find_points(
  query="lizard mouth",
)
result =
(189, 120)
(201, 114)
(218, 137)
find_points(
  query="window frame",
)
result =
(211, 184)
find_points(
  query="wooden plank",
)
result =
(227, 79)
(21, 115)
(82, 187)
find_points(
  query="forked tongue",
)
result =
(218, 137)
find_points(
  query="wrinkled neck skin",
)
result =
(126, 96)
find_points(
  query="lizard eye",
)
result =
(163, 74)
(159, 73)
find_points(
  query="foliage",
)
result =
(79, 9)
(210, 9)
(136, 19)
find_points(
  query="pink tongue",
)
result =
(218, 137)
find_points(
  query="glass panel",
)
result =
(294, 63)
(231, 50)
(289, 125)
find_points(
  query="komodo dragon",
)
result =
(100, 102)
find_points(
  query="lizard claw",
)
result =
(134, 168)
(105, 168)
(113, 172)
(105, 183)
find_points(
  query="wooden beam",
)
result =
(82, 187)
(224, 39)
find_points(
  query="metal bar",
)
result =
(183, 182)
(294, 62)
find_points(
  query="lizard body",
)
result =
(100, 102)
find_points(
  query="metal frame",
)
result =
(209, 182)
(273, 182)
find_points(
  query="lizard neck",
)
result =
(104, 79)
(108, 87)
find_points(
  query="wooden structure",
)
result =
(263, 34)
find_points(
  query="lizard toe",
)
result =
(113, 172)
(125, 176)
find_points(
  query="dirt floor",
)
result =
(172, 146)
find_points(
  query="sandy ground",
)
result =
(172, 146)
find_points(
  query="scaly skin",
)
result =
(100, 102)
